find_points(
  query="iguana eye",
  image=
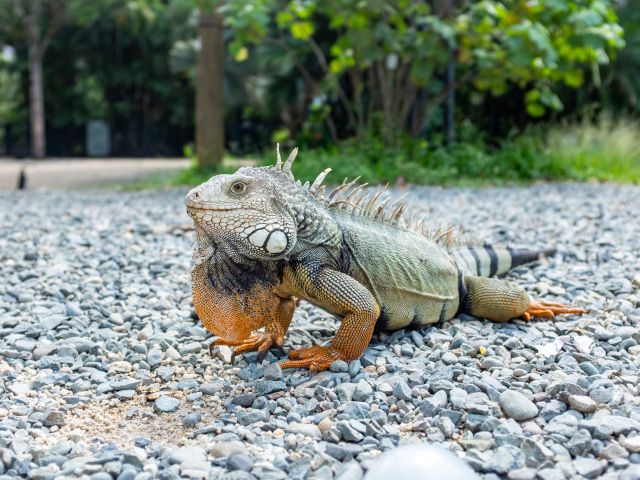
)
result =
(238, 188)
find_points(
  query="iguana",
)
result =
(263, 240)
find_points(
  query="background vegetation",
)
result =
(426, 91)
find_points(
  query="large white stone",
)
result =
(420, 461)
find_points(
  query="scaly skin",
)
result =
(263, 240)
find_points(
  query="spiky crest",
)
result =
(373, 203)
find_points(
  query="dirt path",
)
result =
(69, 173)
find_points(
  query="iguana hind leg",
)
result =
(500, 300)
(340, 294)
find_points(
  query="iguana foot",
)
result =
(549, 310)
(314, 358)
(261, 342)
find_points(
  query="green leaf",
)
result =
(550, 99)
(302, 30)
(535, 110)
(574, 78)
(284, 18)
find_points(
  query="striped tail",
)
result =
(489, 261)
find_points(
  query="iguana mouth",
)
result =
(210, 209)
(224, 209)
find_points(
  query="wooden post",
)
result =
(36, 81)
(209, 100)
(451, 81)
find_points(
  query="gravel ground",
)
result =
(105, 373)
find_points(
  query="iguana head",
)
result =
(250, 210)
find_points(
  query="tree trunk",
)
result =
(36, 104)
(209, 100)
(36, 85)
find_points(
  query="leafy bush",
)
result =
(601, 150)
(365, 61)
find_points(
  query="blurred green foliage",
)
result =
(381, 63)
(359, 85)
(601, 150)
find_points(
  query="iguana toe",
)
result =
(316, 358)
(546, 309)
(261, 342)
(309, 352)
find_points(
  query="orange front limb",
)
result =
(549, 310)
(342, 295)
(275, 330)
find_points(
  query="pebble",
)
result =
(582, 403)
(515, 405)
(224, 449)
(53, 418)
(362, 391)
(632, 444)
(210, 388)
(339, 366)
(402, 391)
(191, 419)
(589, 467)
(432, 406)
(265, 387)
(239, 461)
(244, 400)
(253, 416)
(166, 404)
(272, 372)
(187, 454)
(306, 429)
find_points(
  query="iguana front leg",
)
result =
(339, 294)
(233, 316)
(274, 333)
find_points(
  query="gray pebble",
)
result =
(515, 405)
(265, 387)
(53, 418)
(253, 416)
(191, 419)
(339, 366)
(432, 406)
(402, 391)
(589, 467)
(166, 404)
(362, 391)
(244, 400)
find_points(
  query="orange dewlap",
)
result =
(232, 316)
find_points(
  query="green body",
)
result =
(415, 282)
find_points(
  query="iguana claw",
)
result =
(261, 342)
(279, 348)
(549, 309)
(316, 358)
